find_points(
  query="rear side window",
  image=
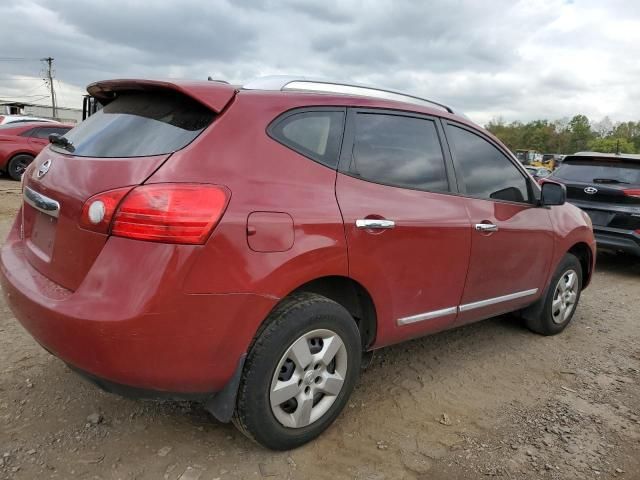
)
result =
(138, 124)
(28, 133)
(399, 151)
(486, 172)
(44, 132)
(599, 171)
(316, 134)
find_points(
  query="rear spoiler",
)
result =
(625, 157)
(214, 95)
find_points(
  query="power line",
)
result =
(35, 95)
(29, 92)
(21, 100)
(20, 77)
(18, 59)
(63, 99)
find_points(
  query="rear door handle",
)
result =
(374, 223)
(486, 227)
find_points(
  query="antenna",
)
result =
(49, 80)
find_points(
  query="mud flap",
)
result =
(534, 311)
(222, 405)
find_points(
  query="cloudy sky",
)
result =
(519, 60)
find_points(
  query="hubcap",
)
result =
(564, 297)
(308, 378)
(21, 166)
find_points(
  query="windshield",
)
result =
(594, 171)
(138, 124)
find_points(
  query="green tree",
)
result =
(611, 145)
(580, 133)
(568, 135)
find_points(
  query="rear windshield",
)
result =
(139, 124)
(603, 171)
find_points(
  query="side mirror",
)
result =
(553, 194)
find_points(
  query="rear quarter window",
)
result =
(315, 133)
(138, 124)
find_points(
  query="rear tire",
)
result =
(299, 373)
(561, 299)
(17, 165)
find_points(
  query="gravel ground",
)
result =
(486, 400)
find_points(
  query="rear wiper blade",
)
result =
(608, 180)
(57, 139)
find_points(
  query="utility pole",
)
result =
(49, 79)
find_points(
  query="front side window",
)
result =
(316, 134)
(486, 172)
(399, 151)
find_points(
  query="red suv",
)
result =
(20, 142)
(246, 246)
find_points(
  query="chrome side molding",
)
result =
(427, 316)
(41, 202)
(492, 301)
(464, 308)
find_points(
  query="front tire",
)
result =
(299, 373)
(17, 165)
(561, 299)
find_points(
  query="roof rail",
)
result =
(285, 82)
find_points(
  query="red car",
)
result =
(246, 246)
(20, 142)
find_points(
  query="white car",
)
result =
(4, 119)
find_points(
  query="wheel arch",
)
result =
(352, 296)
(584, 254)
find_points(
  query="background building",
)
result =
(65, 114)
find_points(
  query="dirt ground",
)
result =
(487, 400)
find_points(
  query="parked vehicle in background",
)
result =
(20, 142)
(169, 247)
(6, 119)
(528, 157)
(551, 161)
(534, 158)
(538, 172)
(607, 187)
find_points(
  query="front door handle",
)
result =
(486, 227)
(374, 223)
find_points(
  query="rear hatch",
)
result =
(607, 188)
(140, 126)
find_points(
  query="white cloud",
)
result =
(517, 60)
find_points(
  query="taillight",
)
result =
(632, 192)
(170, 212)
(98, 211)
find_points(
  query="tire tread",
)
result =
(273, 322)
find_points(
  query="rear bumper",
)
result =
(130, 324)
(626, 241)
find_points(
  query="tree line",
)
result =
(569, 136)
